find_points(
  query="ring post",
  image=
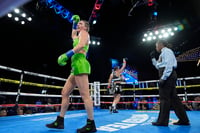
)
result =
(185, 89)
(97, 102)
(19, 88)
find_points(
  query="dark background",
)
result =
(36, 46)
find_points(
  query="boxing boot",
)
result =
(57, 124)
(88, 128)
(111, 109)
(115, 111)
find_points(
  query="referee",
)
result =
(166, 65)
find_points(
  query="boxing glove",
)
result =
(75, 19)
(62, 59)
(108, 87)
(125, 59)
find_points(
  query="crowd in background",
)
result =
(149, 103)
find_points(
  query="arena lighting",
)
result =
(154, 16)
(164, 32)
(66, 14)
(58, 8)
(94, 21)
(97, 6)
(20, 16)
(150, 2)
(95, 41)
(95, 11)
(8, 5)
(155, 13)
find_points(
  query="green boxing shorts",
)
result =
(80, 64)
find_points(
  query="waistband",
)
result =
(162, 68)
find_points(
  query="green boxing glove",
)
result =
(62, 59)
(75, 19)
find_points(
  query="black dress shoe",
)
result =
(159, 124)
(181, 123)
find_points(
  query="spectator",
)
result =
(3, 112)
(196, 103)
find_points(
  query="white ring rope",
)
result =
(96, 86)
(31, 73)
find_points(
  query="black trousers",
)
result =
(169, 98)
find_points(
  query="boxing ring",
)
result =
(23, 89)
(126, 121)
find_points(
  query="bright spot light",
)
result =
(9, 15)
(93, 42)
(24, 15)
(16, 19)
(16, 10)
(29, 18)
(22, 22)
(145, 35)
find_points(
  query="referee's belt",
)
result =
(162, 68)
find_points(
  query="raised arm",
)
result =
(75, 19)
(123, 65)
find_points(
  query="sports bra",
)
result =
(116, 78)
(75, 43)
